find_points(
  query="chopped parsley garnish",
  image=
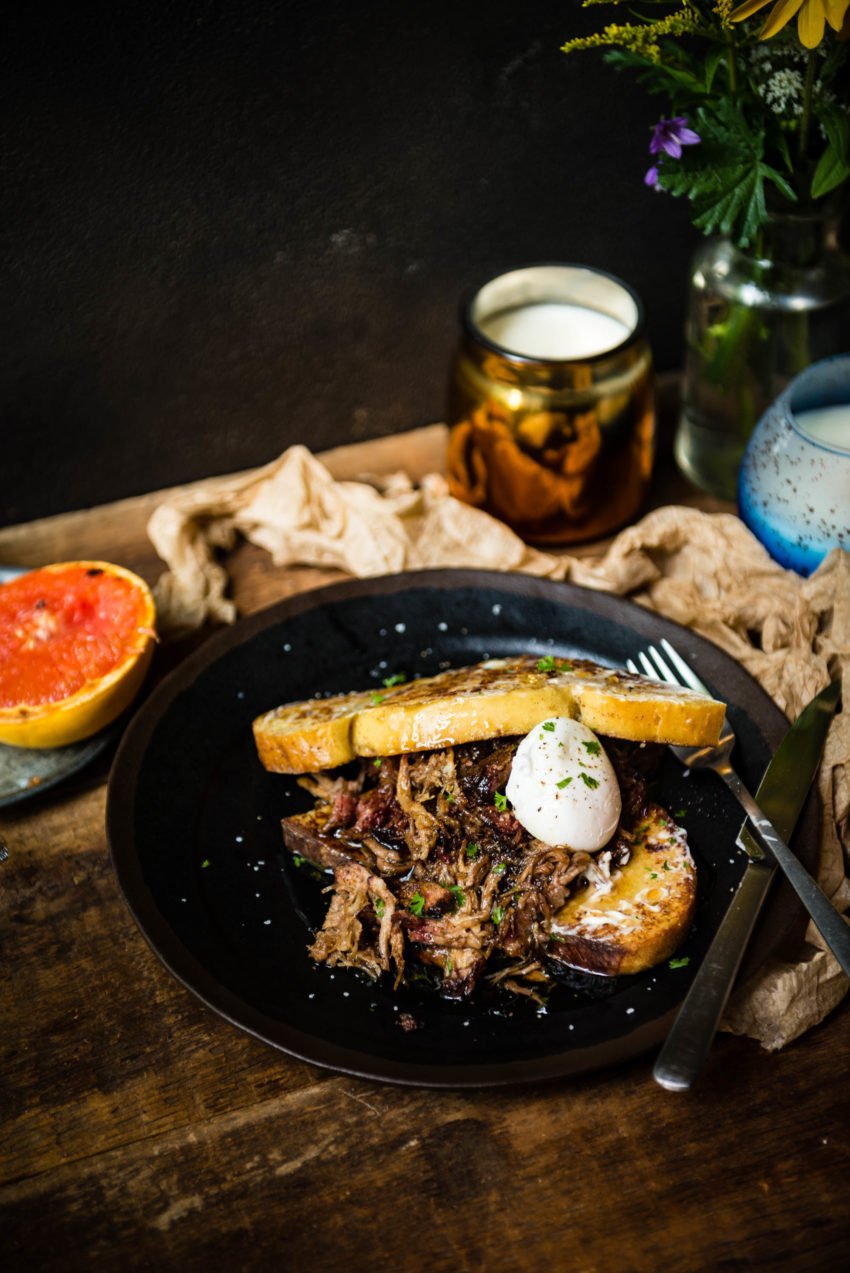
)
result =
(205, 863)
(679, 813)
(297, 859)
(565, 782)
(397, 678)
(592, 746)
(416, 905)
(378, 903)
(500, 868)
(497, 914)
(450, 963)
(377, 762)
(549, 726)
(548, 664)
(458, 896)
(500, 800)
(666, 866)
(593, 783)
(448, 797)
(653, 875)
(472, 850)
(376, 699)
(680, 963)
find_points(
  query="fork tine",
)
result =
(686, 673)
(648, 669)
(663, 668)
(631, 666)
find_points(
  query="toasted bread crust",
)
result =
(646, 914)
(496, 698)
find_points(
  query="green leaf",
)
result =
(416, 905)
(830, 172)
(728, 199)
(738, 197)
(686, 80)
(834, 164)
(712, 62)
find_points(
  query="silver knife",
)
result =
(781, 795)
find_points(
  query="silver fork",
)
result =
(832, 927)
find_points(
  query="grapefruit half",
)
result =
(76, 639)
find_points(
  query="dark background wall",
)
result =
(231, 226)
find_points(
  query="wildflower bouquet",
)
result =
(760, 109)
(757, 138)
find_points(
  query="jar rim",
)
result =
(526, 285)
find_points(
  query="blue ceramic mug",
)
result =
(794, 481)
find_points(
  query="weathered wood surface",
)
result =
(140, 1131)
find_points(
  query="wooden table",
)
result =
(140, 1131)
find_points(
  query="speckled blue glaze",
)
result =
(794, 492)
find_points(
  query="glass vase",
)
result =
(756, 319)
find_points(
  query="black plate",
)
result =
(193, 825)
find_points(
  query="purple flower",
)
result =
(669, 136)
(651, 178)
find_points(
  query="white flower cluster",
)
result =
(782, 91)
(778, 82)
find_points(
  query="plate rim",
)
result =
(180, 961)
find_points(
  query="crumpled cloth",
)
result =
(706, 571)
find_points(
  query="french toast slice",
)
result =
(311, 734)
(493, 699)
(638, 918)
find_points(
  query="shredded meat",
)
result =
(359, 900)
(423, 827)
(428, 869)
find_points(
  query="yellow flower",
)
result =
(813, 16)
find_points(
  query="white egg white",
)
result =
(563, 787)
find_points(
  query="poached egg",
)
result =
(563, 787)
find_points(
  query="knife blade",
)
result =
(781, 794)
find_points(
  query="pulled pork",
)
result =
(431, 867)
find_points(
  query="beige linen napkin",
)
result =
(705, 571)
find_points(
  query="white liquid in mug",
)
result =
(828, 425)
(555, 330)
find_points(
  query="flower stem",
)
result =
(806, 117)
(732, 69)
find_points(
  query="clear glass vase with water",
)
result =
(756, 319)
